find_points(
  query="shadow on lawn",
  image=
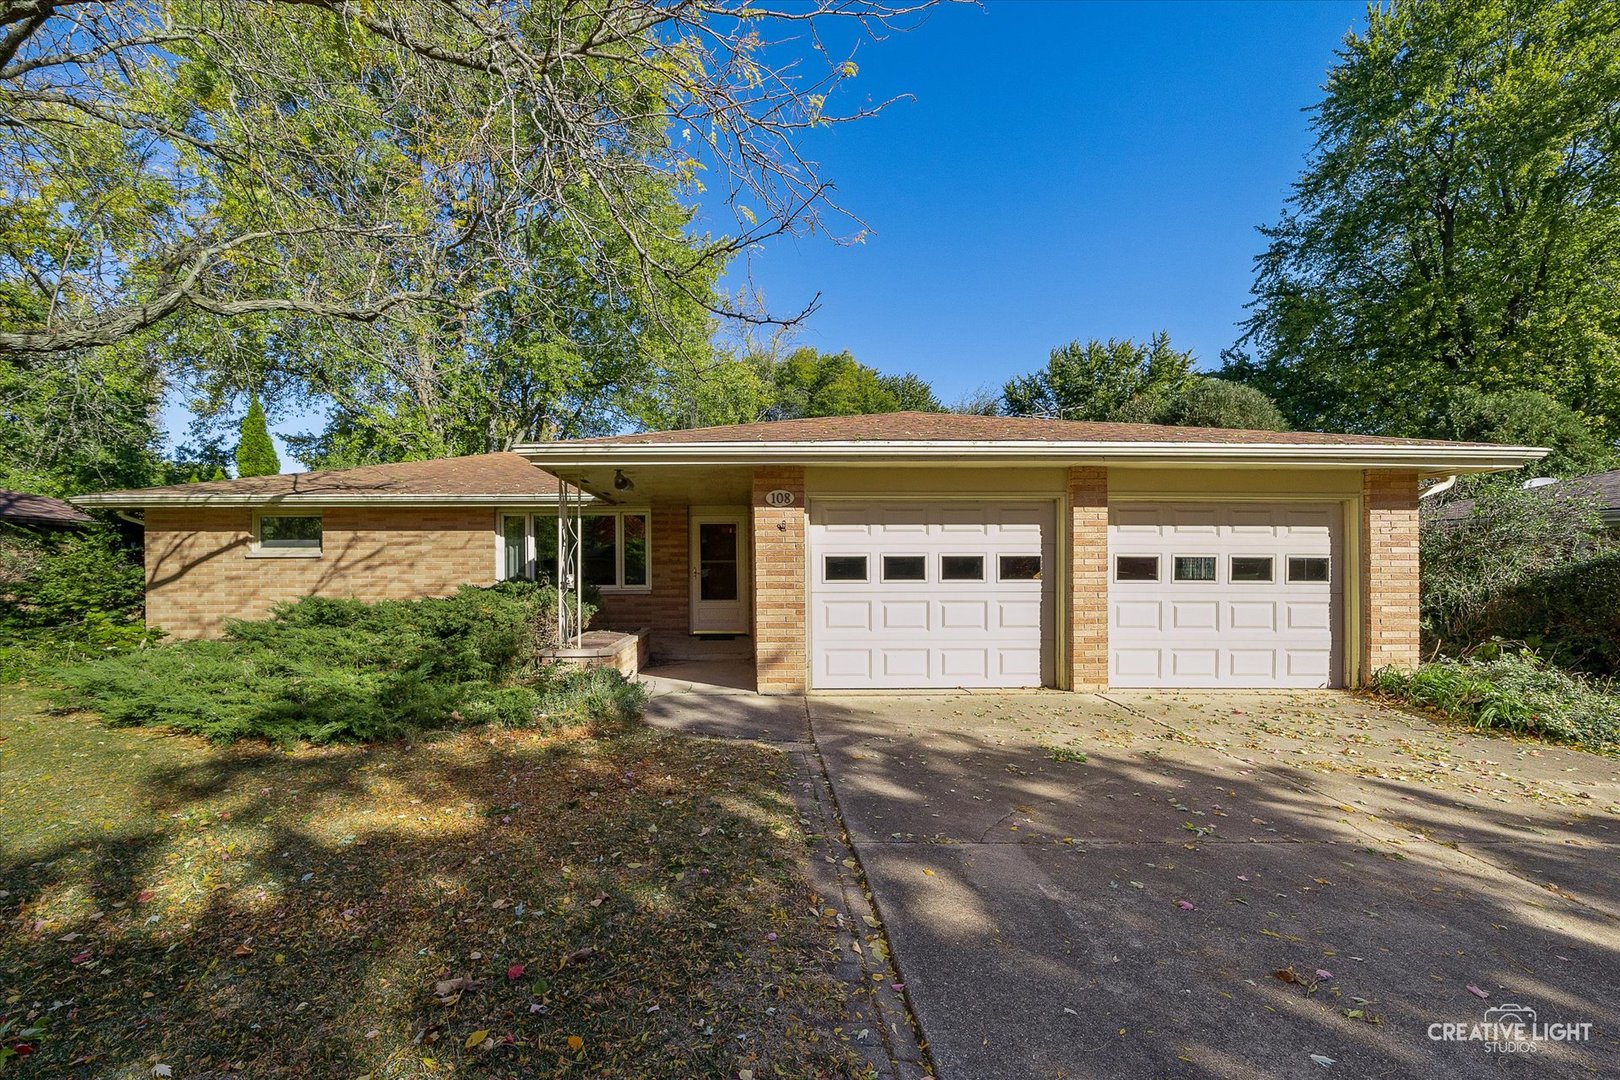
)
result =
(290, 914)
(1034, 906)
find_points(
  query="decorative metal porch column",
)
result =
(570, 564)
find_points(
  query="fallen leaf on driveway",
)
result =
(1477, 992)
(1322, 1060)
(1184, 905)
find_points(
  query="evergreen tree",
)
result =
(255, 453)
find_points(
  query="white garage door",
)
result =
(930, 594)
(1234, 594)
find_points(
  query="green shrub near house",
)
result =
(1513, 690)
(326, 670)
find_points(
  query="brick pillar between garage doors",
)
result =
(1088, 578)
(779, 603)
(1389, 570)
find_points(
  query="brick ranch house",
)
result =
(906, 550)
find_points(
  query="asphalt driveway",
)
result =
(1126, 915)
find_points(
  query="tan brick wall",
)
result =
(1088, 578)
(665, 609)
(199, 571)
(779, 603)
(1389, 570)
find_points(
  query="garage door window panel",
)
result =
(1309, 568)
(1251, 569)
(961, 567)
(901, 568)
(836, 568)
(1128, 568)
(1195, 568)
(1019, 568)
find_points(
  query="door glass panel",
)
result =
(843, 568)
(1251, 568)
(905, 568)
(1020, 568)
(1195, 568)
(961, 567)
(717, 560)
(1307, 568)
(545, 547)
(599, 548)
(635, 549)
(1136, 568)
(515, 556)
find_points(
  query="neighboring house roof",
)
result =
(917, 436)
(1604, 487)
(478, 480)
(21, 508)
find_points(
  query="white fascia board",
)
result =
(135, 500)
(1459, 458)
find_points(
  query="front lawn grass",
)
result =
(494, 903)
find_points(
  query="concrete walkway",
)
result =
(1126, 914)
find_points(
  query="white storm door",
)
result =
(931, 594)
(1225, 594)
(719, 598)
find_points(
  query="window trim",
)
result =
(1158, 567)
(984, 567)
(256, 550)
(1215, 558)
(1040, 561)
(1270, 579)
(866, 568)
(533, 518)
(1288, 570)
(882, 574)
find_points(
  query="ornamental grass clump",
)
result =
(326, 670)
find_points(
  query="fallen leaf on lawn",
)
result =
(579, 954)
(162, 1070)
(475, 1038)
(1477, 992)
(515, 972)
(243, 949)
(576, 1043)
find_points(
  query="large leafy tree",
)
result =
(811, 383)
(1457, 224)
(1096, 380)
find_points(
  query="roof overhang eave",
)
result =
(136, 500)
(1437, 460)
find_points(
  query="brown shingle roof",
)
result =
(21, 508)
(499, 477)
(955, 427)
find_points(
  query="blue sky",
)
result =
(1065, 171)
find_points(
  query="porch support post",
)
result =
(780, 659)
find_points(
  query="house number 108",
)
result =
(779, 497)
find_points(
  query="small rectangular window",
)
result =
(285, 534)
(1250, 568)
(1020, 568)
(1195, 568)
(905, 568)
(843, 568)
(1136, 568)
(961, 567)
(1308, 568)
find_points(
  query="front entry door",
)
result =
(719, 573)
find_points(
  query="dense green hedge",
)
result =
(1528, 566)
(1514, 691)
(326, 670)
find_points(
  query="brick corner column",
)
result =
(1389, 570)
(1088, 578)
(780, 660)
